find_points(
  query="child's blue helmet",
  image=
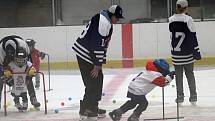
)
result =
(162, 66)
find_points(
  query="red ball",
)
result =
(62, 104)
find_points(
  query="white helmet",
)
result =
(21, 57)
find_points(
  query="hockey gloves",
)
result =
(32, 71)
(42, 55)
(7, 73)
(169, 77)
(197, 55)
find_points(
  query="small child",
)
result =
(21, 69)
(35, 56)
(156, 74)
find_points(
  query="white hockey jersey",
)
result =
(145, 82)
(19, 77)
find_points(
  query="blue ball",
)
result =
(56, 110)
(103, 94)
(69, 98)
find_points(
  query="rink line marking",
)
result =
(113, 86)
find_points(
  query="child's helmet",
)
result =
(162, 66)
(21, 57)
(150, 66)
(30, 42)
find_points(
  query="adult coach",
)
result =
(91, 48)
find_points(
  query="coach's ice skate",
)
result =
(88, 116)
(116, 115)
(179, 101)
(193, 103)
(193, 100)
(133, 117)
(101, 113)
(35, 103)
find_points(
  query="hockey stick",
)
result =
(44, 91)
(5, 99)
(164, 118)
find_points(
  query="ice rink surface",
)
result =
(67, 89)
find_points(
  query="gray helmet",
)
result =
(30, 42)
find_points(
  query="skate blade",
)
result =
(83, 118)
(37, 108)
(193, 104)
(22, 111)
(101, 115)
(92, 119)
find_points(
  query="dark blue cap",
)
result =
(116, 10)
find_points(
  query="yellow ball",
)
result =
(153, 96)
(8, 104)
(31, 109)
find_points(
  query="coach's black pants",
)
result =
(93, 86)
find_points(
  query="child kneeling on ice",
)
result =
(157, 73)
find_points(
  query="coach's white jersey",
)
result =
(145, 82)
(19, 77)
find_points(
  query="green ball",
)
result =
(114, 101)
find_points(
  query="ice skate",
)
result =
(91, 115)
(35, 103)
(19, 106)
(88, 116)
(179, 101)
(82, 114)
(194, 103)
(193, 100)
(133, 117)
(25, 105)
(116, 115)
(101, 113)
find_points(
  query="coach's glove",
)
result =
(7, 73)
(32, 71)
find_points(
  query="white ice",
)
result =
(66, 85)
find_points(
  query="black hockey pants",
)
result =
(93, 86)
(130, 104)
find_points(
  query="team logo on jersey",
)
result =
(20, 81)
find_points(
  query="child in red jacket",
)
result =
(35, 59)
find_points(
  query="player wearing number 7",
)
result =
(185, 49)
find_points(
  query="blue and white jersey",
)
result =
(93, 42)
(184, 44)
